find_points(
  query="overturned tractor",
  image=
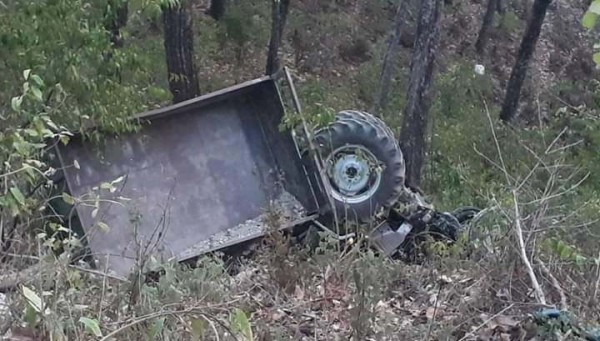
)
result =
(207, 173)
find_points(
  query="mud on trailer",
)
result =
(205, 174)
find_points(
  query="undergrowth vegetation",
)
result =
(536, 239)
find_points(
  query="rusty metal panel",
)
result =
(197, 171)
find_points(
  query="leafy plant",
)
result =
(24, 150)
(240, 324)
(91, 325)
(589, 21)
(66, 44)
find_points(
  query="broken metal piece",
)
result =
(333, 233)
(388, 240)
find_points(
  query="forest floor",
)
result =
(287, 293)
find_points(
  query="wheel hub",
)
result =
(353, 174)
(350, 173)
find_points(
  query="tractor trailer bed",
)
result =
(198, 176)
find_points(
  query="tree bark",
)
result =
(217, 9)
(179, 49)
(519, 71)
(501, 6)
(390, 59)
(116, 15)
(418, 99)
(279, 11)
(486, 24)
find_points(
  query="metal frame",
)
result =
(322, 181)
(206, 100)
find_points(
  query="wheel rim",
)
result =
(354, 174)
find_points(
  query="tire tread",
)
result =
(359, 126)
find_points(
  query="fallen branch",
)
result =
(194, 310)
(16, 278)
(472, 332)
(539, 293)
(561, 293)
(7, 322)
(595, 294)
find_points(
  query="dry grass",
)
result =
(289, 292)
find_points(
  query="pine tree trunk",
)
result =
(501, 6)
(116, 18)
(279, 11)
(418, 100)
(519, 71)
(179, 49)
(486, 24)
(116, 15)
(217, 9)
(390, 59)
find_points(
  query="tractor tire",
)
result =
(374, 120)
(465, 214)
(363, 165)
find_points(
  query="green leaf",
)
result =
(589, 20)
(596, 58)
(18, 195)
(51, 124)
(103, 227)
(63, 229)
(64, 139)
(580, 260)
(31, 132)
(30, 317)
(37, 80)
(240, 323)
(157, 328)
(117, 180)
(34, 300)
(37, 93)
(26, 74)
(14, 209)
(47, 133)
(68, 199)
(15, 103)
(595, 7)
(74, 72)
(198, 327)
(91, 326)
